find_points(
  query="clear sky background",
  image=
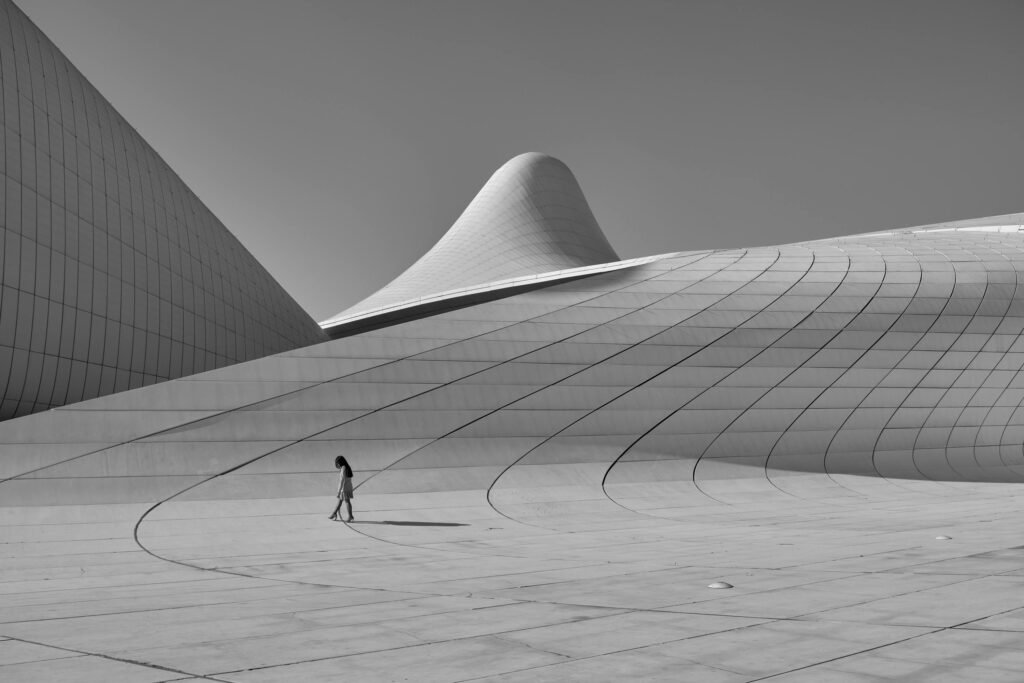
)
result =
(339, 140)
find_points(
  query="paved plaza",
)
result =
(852, 586)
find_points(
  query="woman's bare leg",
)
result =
(348, 506)
(337, 509)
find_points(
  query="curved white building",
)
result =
(799, 462)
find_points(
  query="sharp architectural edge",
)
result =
(114, 274)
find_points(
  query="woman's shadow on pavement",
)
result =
(397, 523)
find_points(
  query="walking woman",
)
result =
(345, 494)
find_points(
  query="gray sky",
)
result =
(339, 140)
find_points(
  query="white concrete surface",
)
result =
(548, 484)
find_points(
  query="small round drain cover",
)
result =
(719, 584)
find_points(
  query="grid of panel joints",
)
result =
(775, 409)
(307, 413)
(849, 379)
(919, 278)
(893, 290)
(451, 369)
(497, 426)
(718, 339)
(936, 431)
(895, 284)
(102, 248)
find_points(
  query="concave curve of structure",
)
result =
(529, 219)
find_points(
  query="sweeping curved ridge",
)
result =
(529, 218)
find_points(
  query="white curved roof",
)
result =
(531, 217)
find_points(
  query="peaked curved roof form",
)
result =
(530, 218)
(114, 274)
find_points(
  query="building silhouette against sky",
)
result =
(544, 437)
(115, 275)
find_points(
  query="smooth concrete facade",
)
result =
(802, 368)
(549, 483)
(115, 275)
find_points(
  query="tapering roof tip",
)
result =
(529, 218)
(528, 162)
(528, 158)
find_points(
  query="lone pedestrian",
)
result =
(345, 494)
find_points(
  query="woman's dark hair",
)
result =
(340, 462)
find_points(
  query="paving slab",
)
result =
(436, 662)
(940, 606)
(947, 655)
(21, 652)
(86, 669)
(624, 630)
